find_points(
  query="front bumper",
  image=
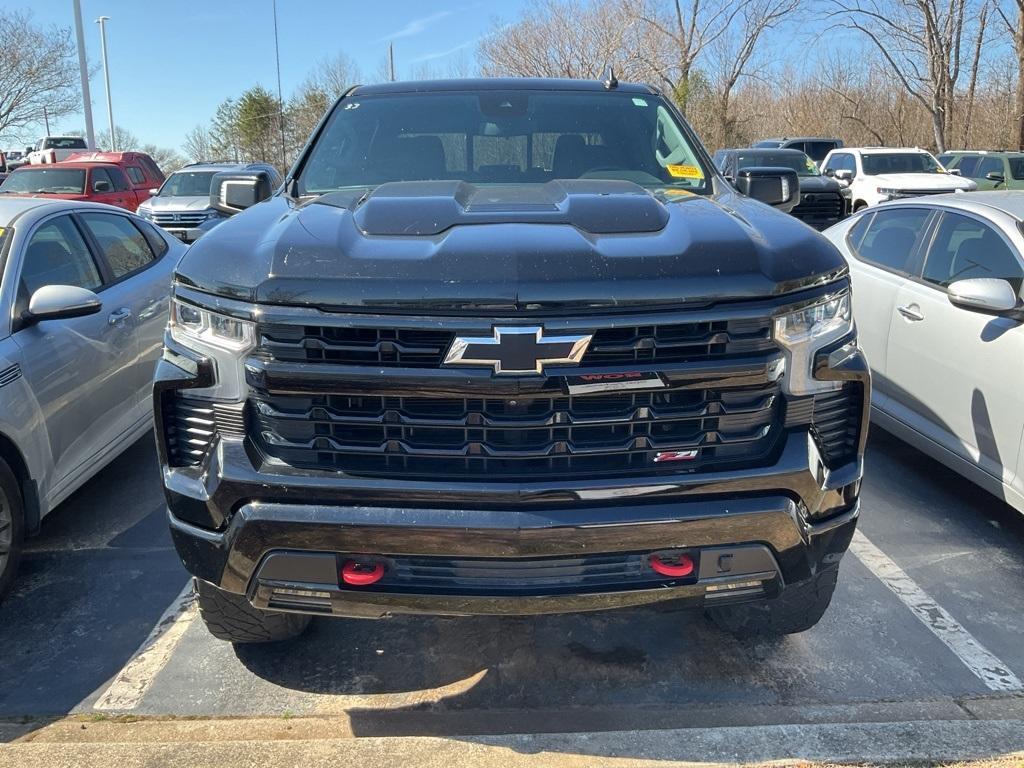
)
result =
(288, 556)
(280, 535)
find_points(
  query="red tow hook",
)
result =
(672, 565)
(358, 574)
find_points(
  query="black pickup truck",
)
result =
(510, 347)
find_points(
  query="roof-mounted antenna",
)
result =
(610, 80)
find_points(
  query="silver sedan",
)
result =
(83, 305)
(937, 287)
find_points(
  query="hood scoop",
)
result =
(425, 208)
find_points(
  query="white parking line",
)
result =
(138, 674)
(976, 657)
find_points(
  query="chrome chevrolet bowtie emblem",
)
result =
(517, 350)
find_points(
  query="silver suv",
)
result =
(182, 205)
(83, 304)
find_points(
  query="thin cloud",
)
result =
(416, 26)
(449, 52)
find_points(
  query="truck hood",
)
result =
(922, 181)
(452, 246)
(819, 184)
(166, 203)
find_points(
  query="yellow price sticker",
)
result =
(685, 171)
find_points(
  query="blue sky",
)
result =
(171, 64)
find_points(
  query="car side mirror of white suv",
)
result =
(984, 294)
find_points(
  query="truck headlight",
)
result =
(887, 191)
(224, 340)
(806, 330)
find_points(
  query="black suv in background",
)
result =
(815, 147)
(822, 202)
(509, 347)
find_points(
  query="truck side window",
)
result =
(118, 178)
(135, 174)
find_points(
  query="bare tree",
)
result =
(733, 52)
(38, 74)
(1013, 20)
(565, 38)
(198, 145)
(922, 41)
(678, 35)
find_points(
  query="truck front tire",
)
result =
(797, 609)
(232, 617)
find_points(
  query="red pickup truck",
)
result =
(122, 179)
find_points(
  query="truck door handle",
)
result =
(118, 316)
(910, 313)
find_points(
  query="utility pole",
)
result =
(46, 120)
(90, 138)
(102, 21)
(280, 97)
(391, 61)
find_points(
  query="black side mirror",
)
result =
(101, 186)
(777, 187)
(232, 192)
(995, 176)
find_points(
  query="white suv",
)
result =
(877, 174)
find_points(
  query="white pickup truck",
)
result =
(53, 149)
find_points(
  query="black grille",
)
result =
(415, 348)
(836, 423)
(820, 205)
(518, 438)
(191, 424)
(549, 575)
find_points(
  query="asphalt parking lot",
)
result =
(927, 625)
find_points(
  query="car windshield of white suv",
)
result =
(43, 180)
(799, 162)
(503, 137)
(187, 184)
(878, 163)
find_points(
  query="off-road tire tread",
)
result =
(232, 617)
(797, 609)
(13, 493)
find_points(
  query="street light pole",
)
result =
(90, 137)
(102, 21)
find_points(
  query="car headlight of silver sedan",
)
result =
(804, 331)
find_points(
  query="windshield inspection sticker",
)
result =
(685, 171)
(639, 102)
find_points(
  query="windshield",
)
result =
(797, 161)
(187, 184)
(502, 137)
(63, 142)
(55, 180)
(899, 162)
